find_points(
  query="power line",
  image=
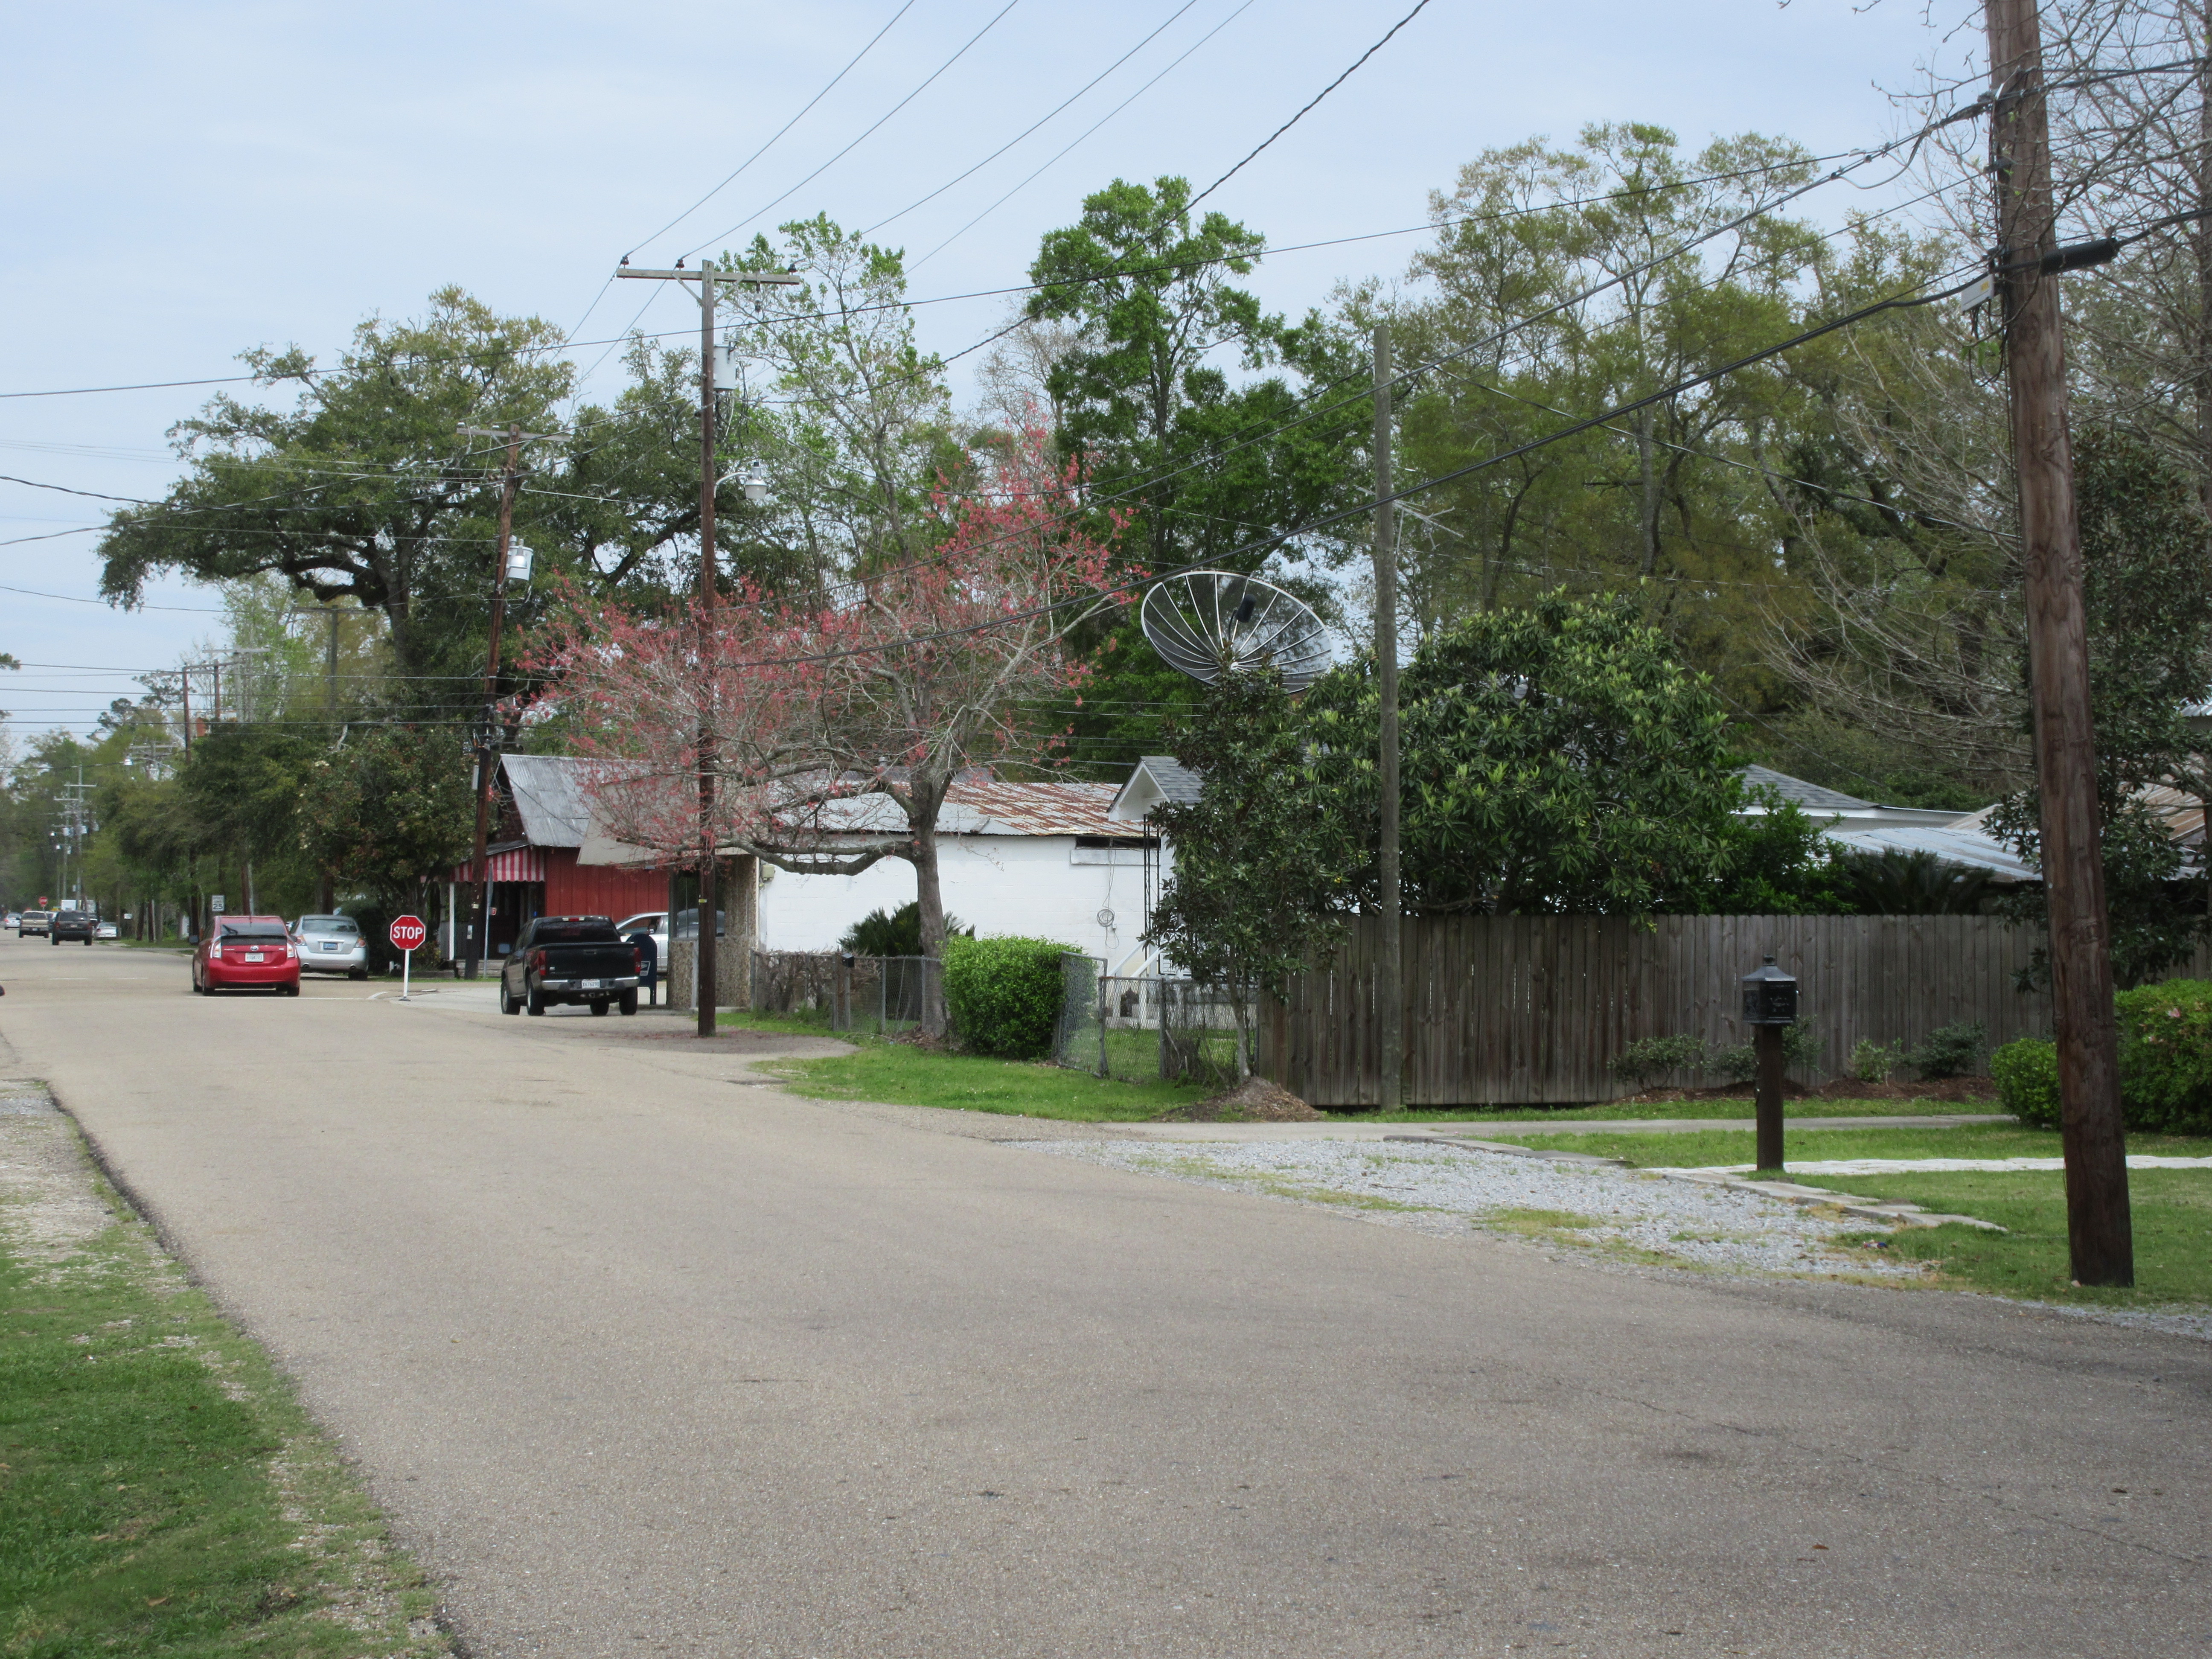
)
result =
(1034, 124)
(1419, 7)
(1626, 192)
(734, 176)
(849, 148)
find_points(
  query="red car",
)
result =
(248, 953)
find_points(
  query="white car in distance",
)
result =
(331, 944)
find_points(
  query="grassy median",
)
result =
(161, 1491)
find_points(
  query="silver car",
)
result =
(331, 944)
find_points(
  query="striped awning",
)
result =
(518, 863)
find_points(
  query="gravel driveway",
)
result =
(1612, 1209)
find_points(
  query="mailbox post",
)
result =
(1770, 1002)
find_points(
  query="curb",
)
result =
(1897, 1213)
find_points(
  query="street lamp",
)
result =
(520, 559)
(753, 480)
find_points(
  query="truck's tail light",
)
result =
(538, 961)
(637, 959)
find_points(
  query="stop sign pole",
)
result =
(408, 933)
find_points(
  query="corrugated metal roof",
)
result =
(548, 793)
(981, 807)
(1810, 796)
(1953, 844)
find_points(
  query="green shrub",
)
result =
(892, 933)
(1801, 1051)
(1651, 1057)
(1873, 1062)
(2166, 1056)
(1949, 1050)
(2027, 1080)
(1004, 994)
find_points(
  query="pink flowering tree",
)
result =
(700, 729)
(759, 727)
(931, 668)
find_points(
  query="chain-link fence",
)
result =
(795, 982)
(1143, 1029)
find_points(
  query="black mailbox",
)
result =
(1770, 997)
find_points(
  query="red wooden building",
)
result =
(538, 827)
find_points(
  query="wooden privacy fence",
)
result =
(1502, 1009)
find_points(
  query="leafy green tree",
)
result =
(1558, 757)
(1209, 465)
(1263, 870)
(362, 490)
(388, 811)
(2147, 556)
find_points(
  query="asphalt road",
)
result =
(643, 1362)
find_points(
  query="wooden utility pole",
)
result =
(2090, 1127)
(1389, 968)
(488, 734)
(704, 949)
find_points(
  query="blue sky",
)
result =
(183, 182)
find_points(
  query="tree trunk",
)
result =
(929, 895)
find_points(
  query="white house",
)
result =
(1044, 859)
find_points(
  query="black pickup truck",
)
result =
(569, 959)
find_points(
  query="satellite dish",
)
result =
(1208, 622)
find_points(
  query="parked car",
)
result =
(107, 930)
(80, 925)
(248, 953)
(14, 918)
(331, 944)
(569, 959)
(35, 923)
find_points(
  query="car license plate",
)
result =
(253, 956)
(594, 984)
(332, 946)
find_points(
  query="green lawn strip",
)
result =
(161, 1491)
(1628, 1110)
(2173, 1208)
(2172, 1211)
(901, 1074)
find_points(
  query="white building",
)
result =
(1044, 860)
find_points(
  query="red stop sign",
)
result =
(408, 932)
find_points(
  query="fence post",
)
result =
(1103, 1070)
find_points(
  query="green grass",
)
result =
(148, 1455)
(900, 1074)
(805, 1022)
(1626, 1111)
(2173, 1208)
(2172, 1212)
